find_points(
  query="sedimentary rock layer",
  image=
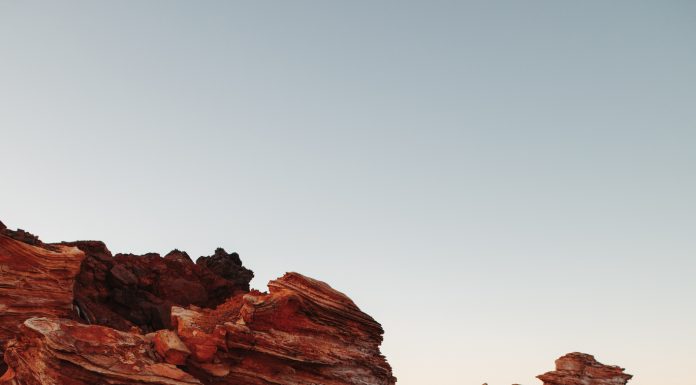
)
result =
(583, 369)
(58, 351)
(74, 314)
(36, 280)
(302, 332)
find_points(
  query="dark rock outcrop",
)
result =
(129, 290)
(228, 266)
(21, 235)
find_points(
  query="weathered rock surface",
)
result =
(129, 290)
(228, 266)
(36, 280)
(20, 235)
(170, 347)
(72, 313)
(583, 369)
(58, 351)
(302, 332)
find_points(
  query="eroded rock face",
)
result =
(36, 280)
(129, 290)
(302, 332)
(583, 369)
(74, 314)
(59, 351)
(170, 347)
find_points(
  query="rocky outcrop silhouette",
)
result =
(73, 313)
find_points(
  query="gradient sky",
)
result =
(496, 182)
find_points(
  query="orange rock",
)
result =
(169, 346)
(302, 332)
(203, 345)
(36, 280)
(216, 370)
(8, 378)
(73, 314)
(583, 369)
(53, 351)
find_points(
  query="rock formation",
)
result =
(59, 351)
(302, 332)
(129, 290)
(583, 369)
(228, 266)
(36, 280)
(72, 313)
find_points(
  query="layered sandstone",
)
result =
(36, 280)
(583, 369)
(73, 313)
(302, 332)
(58, 351)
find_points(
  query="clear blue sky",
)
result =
(498, 183)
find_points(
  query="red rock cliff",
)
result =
(74, 314)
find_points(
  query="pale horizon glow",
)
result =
(497, 182)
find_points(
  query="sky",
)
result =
(497, 182)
